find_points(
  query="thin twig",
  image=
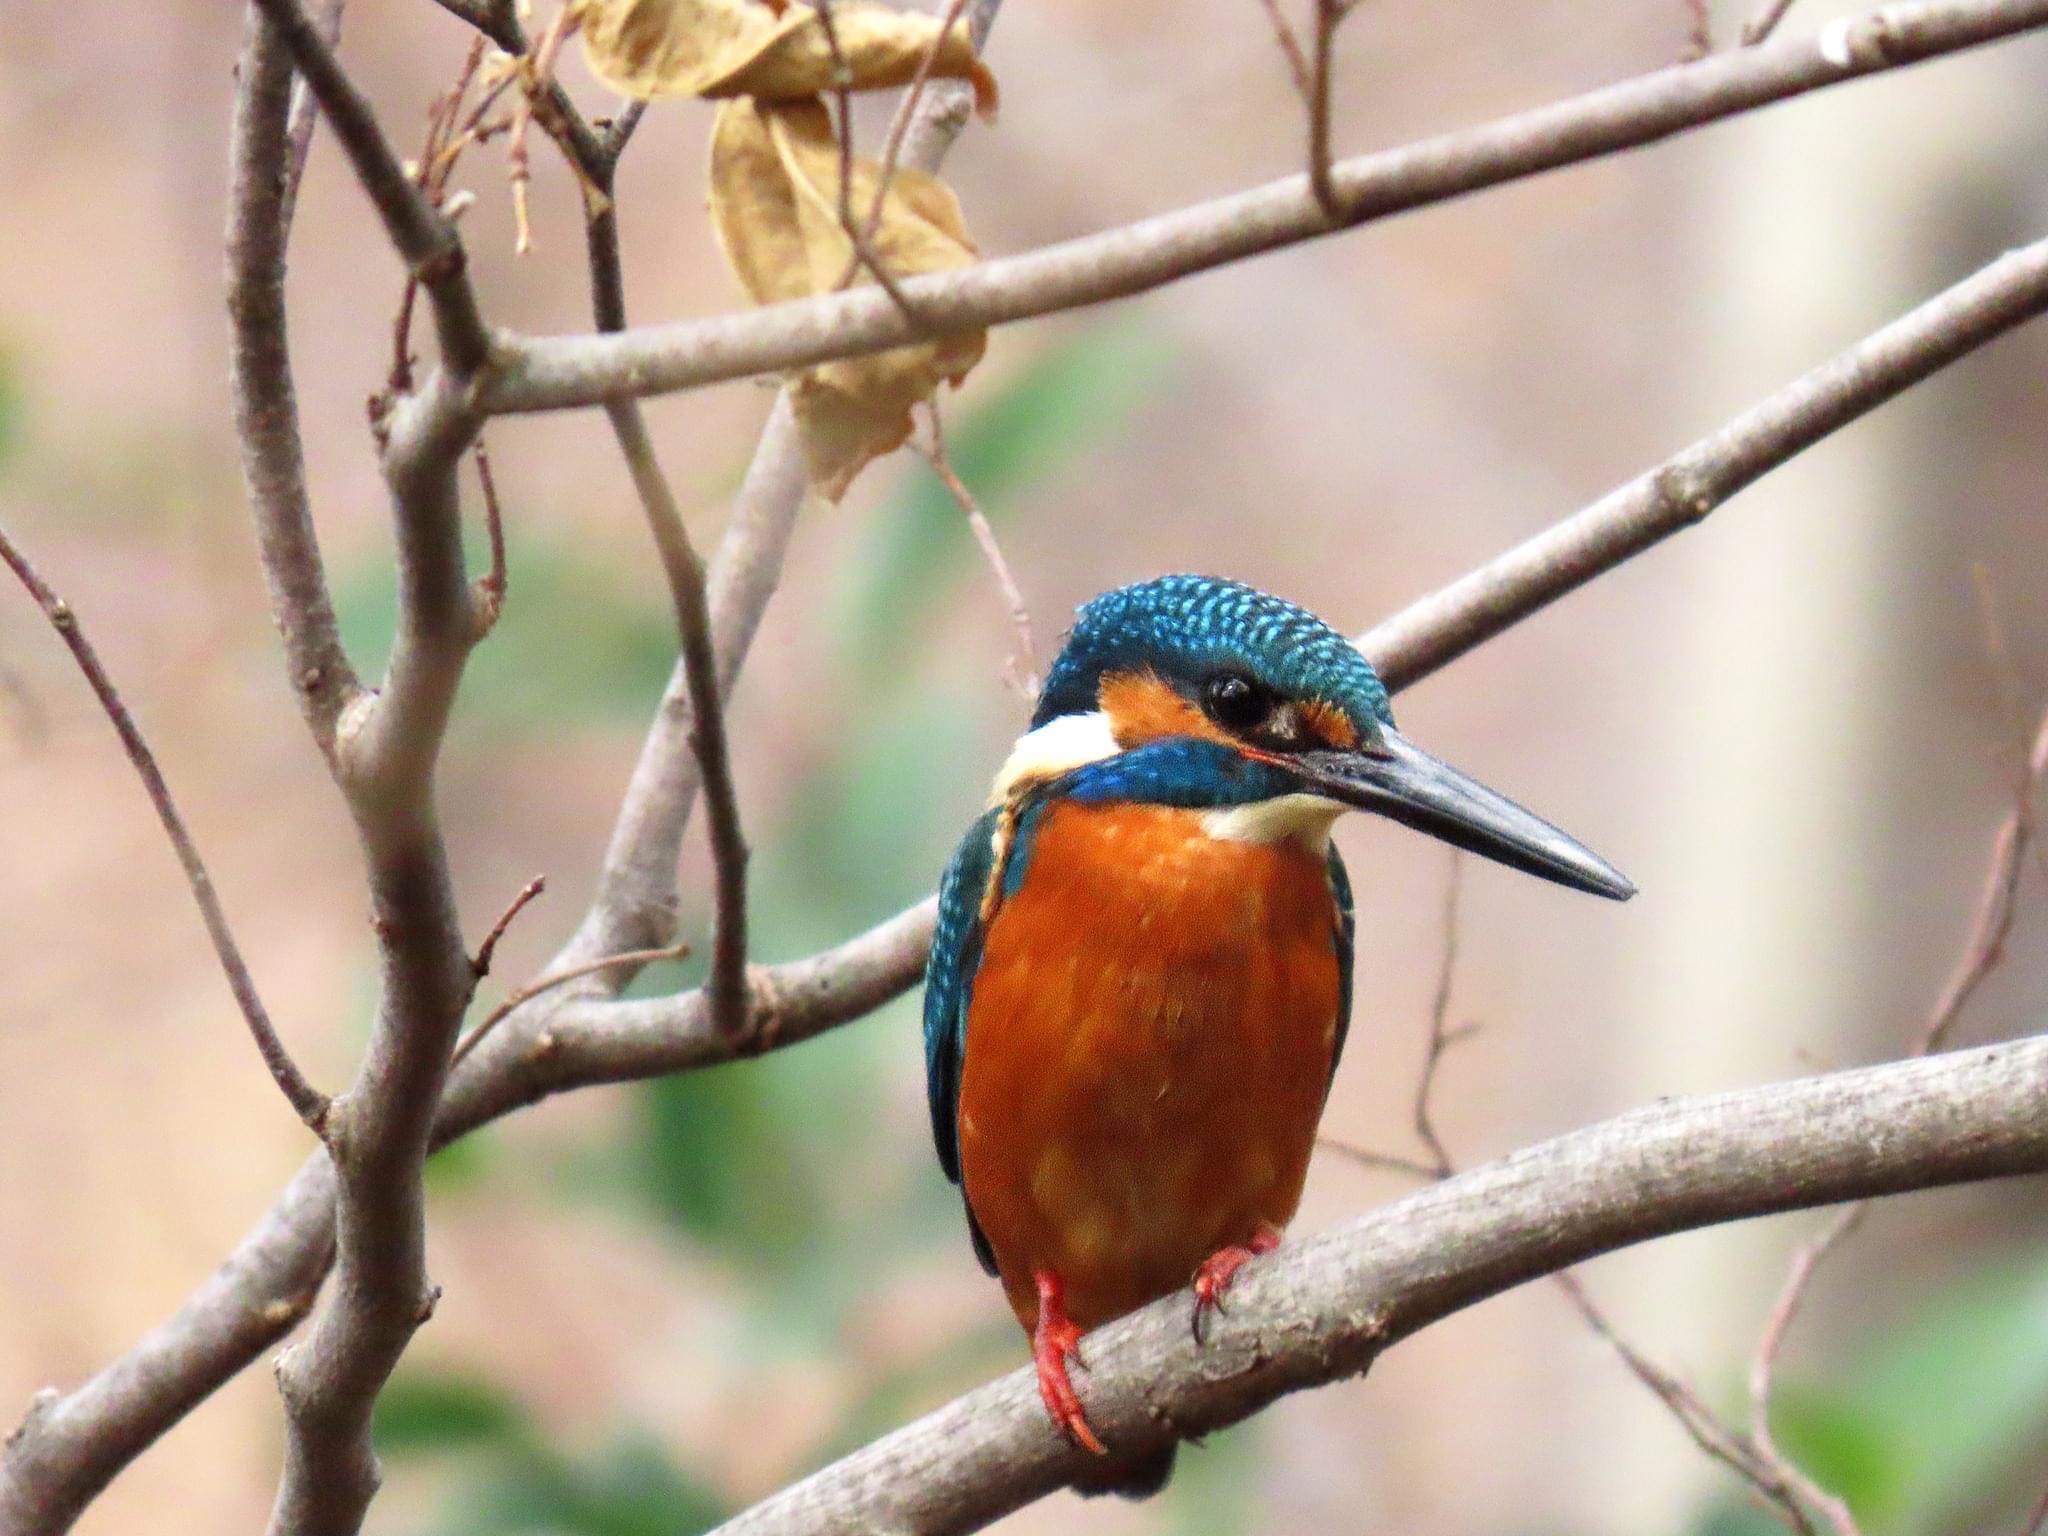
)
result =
(537, 72)
(1023, 666)
(492, 586)
(307, 1102)
(863, 253)
(547, 983)
(481, 965)
(1760, 26)
(1699, 30)
(425, 239)
(1700, 1423)
(2037, 1522)
(1441, 1036)
(304, 115)
(1290, 48)
(1324, 189)
(684, 569)
(1990, 929)
(899, 128)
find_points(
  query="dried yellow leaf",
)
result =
(775, 207)
(653, 48)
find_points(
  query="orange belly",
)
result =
(1148, 1050)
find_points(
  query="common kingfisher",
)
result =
(1140, 982)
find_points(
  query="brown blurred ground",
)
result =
(1783, 726)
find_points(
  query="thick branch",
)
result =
(384, 751)
(1322, 1309)
(266, 405)
(555, 372)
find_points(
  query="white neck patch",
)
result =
(1303, 819)
(1057, 746)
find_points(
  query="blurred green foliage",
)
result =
(575, 644)
(520, 1485)
(1933, 1417)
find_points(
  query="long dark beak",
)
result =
(1397, 779)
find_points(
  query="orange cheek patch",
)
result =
(1331, 724)
(1142, 707)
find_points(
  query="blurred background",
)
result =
(664, 1301)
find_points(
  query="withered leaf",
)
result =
(654, 48)
(775, 207)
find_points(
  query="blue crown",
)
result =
(1187, 628)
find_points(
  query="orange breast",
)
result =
(1148, 1049)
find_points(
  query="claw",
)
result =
(1055, 1341)
(1215, 1273)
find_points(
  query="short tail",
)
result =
(1128, 1477)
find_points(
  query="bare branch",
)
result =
(636, 895)
(688, 591)
(1760, 26)
(556, 372)
(1441, 1035)
(487, 950)
(1685, 488)
(307, 1102)
(1322, 1309)
(1023, 666)
(265, 403)
(1699, 30)
(299, 131)
(1700, 1422)
(427, 241)
(1990, 929)
(1290, 50)
(2037, 1522)
(492, 586)
(634, 958)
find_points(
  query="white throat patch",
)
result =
(1054, 748)
(1304, 819)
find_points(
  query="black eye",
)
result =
(1235, 701)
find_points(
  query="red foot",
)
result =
(1214, 1274)
(1056, 1341)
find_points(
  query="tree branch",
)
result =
(428, 242)
(265, 402)
(699, 661)
(383, 750)
(1324, 1308)
(1685, 488)
(307, 1102)
(636, 890)
(555, 372)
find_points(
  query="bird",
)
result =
(1140, 980)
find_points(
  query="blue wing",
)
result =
(948, 985)
(1347, 929)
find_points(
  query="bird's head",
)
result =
(1267, 684)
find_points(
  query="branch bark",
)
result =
(1323, 1309)
(383, 749)
(555, 372)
